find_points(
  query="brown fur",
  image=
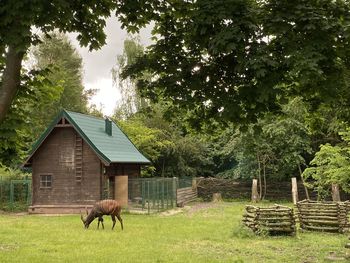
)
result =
(101, 208)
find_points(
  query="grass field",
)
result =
(203, 233)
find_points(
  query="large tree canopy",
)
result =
(235, 59)
(21, 21)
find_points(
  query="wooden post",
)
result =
(194, 183)
(255, 194)
(294, 190)
(217, 197)
(335, 193)
(121, 189)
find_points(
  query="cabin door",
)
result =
(121, 189)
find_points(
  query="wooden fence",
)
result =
(185, 195)
(234, 189)
(274, 219)
(323, 216)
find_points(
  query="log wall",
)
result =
(56, 157)
(323, 216)
(272, 220)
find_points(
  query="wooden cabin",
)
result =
(79, 160)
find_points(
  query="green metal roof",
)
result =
(116, 148)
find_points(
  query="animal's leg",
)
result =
(113, 219)
(103, 226)
(100, 219)
(121, 221)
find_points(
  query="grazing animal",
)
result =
(101, 208)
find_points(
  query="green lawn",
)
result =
(203, 234)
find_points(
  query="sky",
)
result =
(98, 64)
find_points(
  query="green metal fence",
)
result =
(184, 182)
(152, 194)
(15, 194)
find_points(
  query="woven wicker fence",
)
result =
(273, 220)
(323, 216)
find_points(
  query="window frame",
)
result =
(41, 181)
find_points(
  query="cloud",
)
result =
(98, 64)
(106, 95)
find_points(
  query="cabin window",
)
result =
(45, 181)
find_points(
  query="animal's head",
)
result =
(89, 218)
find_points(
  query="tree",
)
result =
(64, 67)
(150, 141)
(235, 60)
(331, 165)
(17, 33)
(16, 131)
(131, 100)
(274, 148)
(56, 84)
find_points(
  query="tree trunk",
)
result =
(302, 180)
(10, 80)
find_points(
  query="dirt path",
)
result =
(202, 206)
(190, 209)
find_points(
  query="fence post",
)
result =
(29, 193)
(255, 194)
(162, 183)
(158, 194)
(11, 194)
(143, 193)
(335, 193)
(294, 190)
(194, 183)
(175, 190)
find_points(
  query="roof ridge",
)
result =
(85, 115)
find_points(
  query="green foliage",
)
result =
(150, 141)
(21, 22)
(53, 84)
(276, 145)
(16, 130)
(331, 165)
(172, 152)
(57, 54)
(85, 18)
(235, 60)
(8, 173)
(64, 66)
(131, 100)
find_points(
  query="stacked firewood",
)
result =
(275, 219)
(323, 216)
